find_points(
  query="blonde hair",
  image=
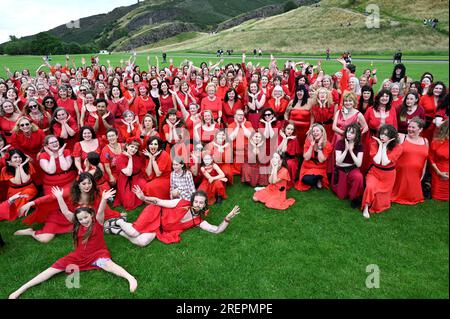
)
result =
(329, 98)
(352, 96)
(324, 132)
(209, 86)
(16, 127)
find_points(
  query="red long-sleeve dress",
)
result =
(159, 187)
(439, 155)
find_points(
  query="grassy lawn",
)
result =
(319, 248)
(414, 69)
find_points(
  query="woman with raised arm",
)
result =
(411, 165)
(274, 195)
(90, 252)
(380, 179)
(167, 219)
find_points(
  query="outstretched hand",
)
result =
(138, 192)
(107, 194)
(236, 210)
(57, 191)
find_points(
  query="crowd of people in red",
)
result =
(175, 137)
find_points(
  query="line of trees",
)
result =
(42, 44)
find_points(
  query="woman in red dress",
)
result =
(87, 107)
(397, 98)
(366, 99)
(274, 195)
(299, 112)
(88, 143)
(18, 174)
(68, 104)
(430, 102)
(347, 180)
(171, 124)
(63, 126)
(109, 155)
(411, 165)
(130, 166)
(167, 101)
(27, 137)
(270, 127)
(158, 167)
(409, 110)
(213, 182)
(148, 128)
(322, 110)
(90, 247)
(255, 169)
(221, 150)
(9, 114)
(212, 103)
(128, 126)
(380, 114)
(143, 104)
(205, 131)
(439, 157)
(184, 96)
(290, 151)
(191, 119)
(167, 219)
(384, 152)
(117, 104)
(255, 100)
(277, 102)
(37, 114)
(314, 167)
(231, 103)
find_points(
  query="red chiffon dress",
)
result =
(86, 254)
(223, 157)
(166, 222)
(274, 195)
(256, 168)
(439, 155)
(302, 121)
(409, 169)
(239, 145)
(380, 180)
(125, 195)
(430, 107)
(314, 167)
(324, 116)
(60, 178)
(159, 187)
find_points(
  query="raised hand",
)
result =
(107, 194)
(57, 191)
(138, 192)
(236, 210)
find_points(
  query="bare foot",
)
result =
(133, 284)
(24, 232)
(14, 295)
(366, 214)
(319, 184)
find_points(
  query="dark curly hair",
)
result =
(75, 191)
(390, 132)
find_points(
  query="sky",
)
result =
(27, 17)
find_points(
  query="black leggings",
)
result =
(311, 180)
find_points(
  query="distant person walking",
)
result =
(164, 56)
(328, 54)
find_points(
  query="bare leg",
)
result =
(142, 240)
(366, 211)
(117, 270)
(127, 228)
(43, 238)
(43, 276)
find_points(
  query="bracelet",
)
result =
(227, 220)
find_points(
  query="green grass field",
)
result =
(385, 67)
(319, 248)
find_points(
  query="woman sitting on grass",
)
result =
(90, 252)
(167, 219)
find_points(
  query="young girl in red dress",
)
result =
(213, 183)
(380, 179)
(90, 252)
(167, 219)
(274, 195)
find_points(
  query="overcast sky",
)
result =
(27, 17)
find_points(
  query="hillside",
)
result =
(340, 25)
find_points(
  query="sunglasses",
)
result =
(49, 101)
(24, 124)
(83, 90)
(268, 114)
(33, 106)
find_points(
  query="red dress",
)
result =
(166, 222)
(142, 106)
(292, 154)
(107, 156)
(117, 108)
(8, 212)
(60, 178)
(214, 106)
(159, 187)
(27, 188)
(71, 140)
(407, 187)
(208, 136)
(125, 195)
(302, 121)
(324, 116)
(223, 158)
(256, 168)
(6, 127)
(228, 111)
(239, 145)
(79, 152)
(314, 167)
(274, 195)
(166, 103)
(380, 180)
(86, 254)
(280, 108)
(43, 123)
(69, 106)
(29, 145)
(216, 188)
(404, 121)
(439, 155)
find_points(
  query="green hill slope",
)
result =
(336, 24)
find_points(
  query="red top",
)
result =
(229, 111)
(214, 106)
(428, 104)
(142, 105)
(164, 165)
(68, 105)
(30, 145)
(117, 108)
(166, 103)
(374, 122)
(79, 152)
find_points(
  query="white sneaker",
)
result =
(259, 188)
(366, 215)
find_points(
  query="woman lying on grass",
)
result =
(167, 219)
(90, 247)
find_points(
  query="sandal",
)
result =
(113, 230)
(110, 223)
